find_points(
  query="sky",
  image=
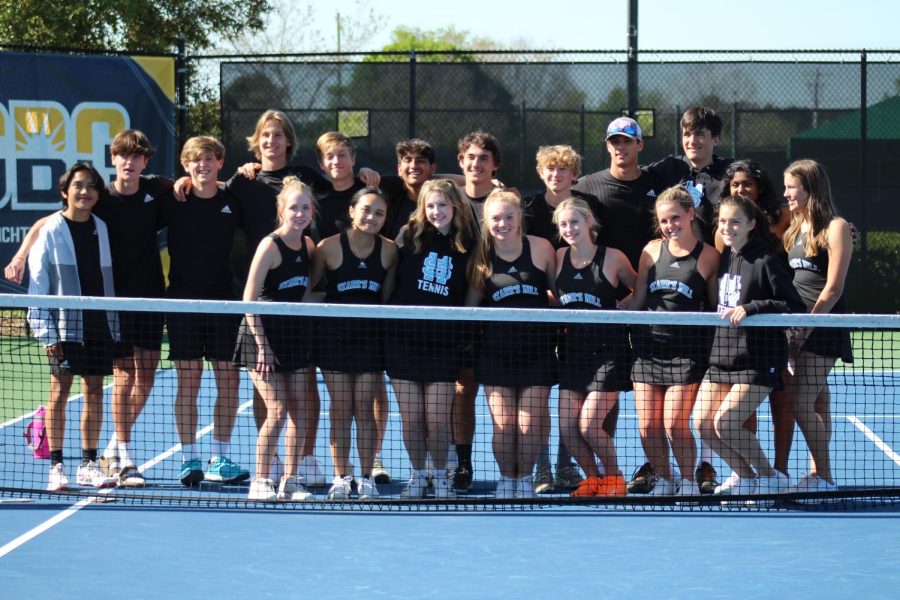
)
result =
(662, 24)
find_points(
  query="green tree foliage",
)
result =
(128, 25)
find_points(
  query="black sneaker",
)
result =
(462, 479)
(643, 481)
(705, 477)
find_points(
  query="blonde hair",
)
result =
(562, 156)
(199, 145)
(292, 186)
(329, 140)
(286, 126)
(680, 197)
(582, 208)
(480, 267)
(419, 230)
(819, 207)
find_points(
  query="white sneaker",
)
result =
(526, 487)
(290, 489)
(417, 486)
(58, 481)
(276, 468)
(686, 487)
(813, 484)
(340, 488)
(365, 488)
(737, 486)
(262, 490)
(89, 474)
(543, 480)
(310, 472)
(506, 488)
(779, 483)
(725, 487)
(441, 484)
(663, 487)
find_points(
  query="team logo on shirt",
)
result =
(436, 272)
(512, 269)
(148, 198)
(671, 285)
(294, 282)
(226, 210)
(651, 194)
(578, 276)
(299, 259)
(675, 265)
(803, 264)
(362, 265)
(729, 291)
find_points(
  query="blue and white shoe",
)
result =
(223, 470)
(191, 472)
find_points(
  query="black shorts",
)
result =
(94, 357)
(197, 335)
(595, 359)
(288, 338)
(139, 329)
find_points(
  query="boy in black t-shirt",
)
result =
(416, 163)
(201, 234)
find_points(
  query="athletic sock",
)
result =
(188, 452)
(706, 453)
(125, 454)
(111, 447)
(219, 449)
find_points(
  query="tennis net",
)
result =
(481, 385)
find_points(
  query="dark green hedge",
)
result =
(873, 284)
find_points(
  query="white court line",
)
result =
(70, 511)
(31, 414)
(875, 440)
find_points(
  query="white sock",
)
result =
(706, 453)
(125, 454)
(188, 452)
(219, 449)
(111, 447)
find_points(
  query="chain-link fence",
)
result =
(777, 106)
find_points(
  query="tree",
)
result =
(148, 26)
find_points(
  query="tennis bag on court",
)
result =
(36, 435)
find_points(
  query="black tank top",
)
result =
(810, 274)
(357, 280)
(434, 277)
(587, 287)
(674, 283)
(288, 281)
(517, 284)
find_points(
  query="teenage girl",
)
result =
(819, 245)
(423, 357)
(594, 363)
(675, 273)
(274, 348)
(359, 266)
(745, 362)
(515, 363)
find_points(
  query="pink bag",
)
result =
(36, 435)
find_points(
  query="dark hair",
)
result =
(483, 140)
(416, 146)
(702, 117)
(368, 190)
(760, 233)
(131, 141)
(70, 173)
(767, 200)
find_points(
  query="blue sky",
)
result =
(663, 24)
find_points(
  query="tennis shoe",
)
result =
(686, 487)
(291, 489)
(365, 489)
(58, 481)
(416, 487)
(730, 482)
(462, 478)
(567, 477)
(129, 476)
(379, 473)
(340, 489)
(506, 488)
(89, 474)
(262, 490)
(526, 487)
(310, 472)
(643, 480)
(662, 487)
(705, 476)
(441, 484)
(779, 483)
(109, 465)
(736, 485)
(813, 484)
(543, 480)
(224, 470)
(191, 472)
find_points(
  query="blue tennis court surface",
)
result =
(47, 547)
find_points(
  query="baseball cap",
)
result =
(624, 126)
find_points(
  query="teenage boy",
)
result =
(416, 164)
(700, 170)
(130, 209)
(200, 237)
(626, 193)
(71, 257)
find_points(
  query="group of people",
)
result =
(688, 233)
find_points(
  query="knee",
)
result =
(727, 424)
